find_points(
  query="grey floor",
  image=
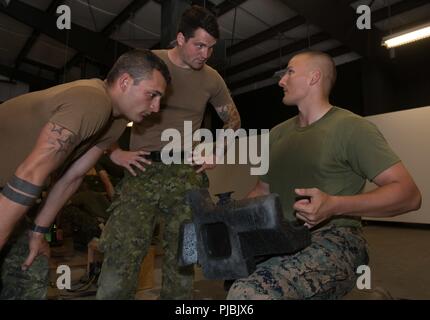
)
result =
(400, 260)
(399, 264)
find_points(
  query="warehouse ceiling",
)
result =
(257, 36)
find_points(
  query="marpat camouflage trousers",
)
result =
(324, 270)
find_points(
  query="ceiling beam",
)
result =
(227, 6)
(377, 16)
(272, 32)
(278, 53)
(206, 4)
(397, 8)
(335, 52)
(219, 9)
(95, 45)
(77, 58)
(266, 34)
(41, 65)
(26, 77)
(171, 13)
(339, 21)
(34, 35)
(121, 18)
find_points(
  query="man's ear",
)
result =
(180, 39)
(315, 77)
(124, 81)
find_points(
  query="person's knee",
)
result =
(243, 290)
(113, 287)
(119, 274)
(31, 284)
(235, 293)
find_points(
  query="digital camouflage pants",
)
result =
(16, 284)
(139, 202)
(324, 270)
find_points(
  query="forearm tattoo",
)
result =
(230, 116)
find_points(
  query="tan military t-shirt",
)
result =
(186, 99)
(82, 106)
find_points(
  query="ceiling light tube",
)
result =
(407, 36)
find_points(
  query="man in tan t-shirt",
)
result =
(158, 191)
(59, 134)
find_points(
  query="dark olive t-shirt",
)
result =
(335, 154)
(83, 107)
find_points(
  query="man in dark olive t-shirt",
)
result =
(326, 154)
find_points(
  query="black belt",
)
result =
(155, 156)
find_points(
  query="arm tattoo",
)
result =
(56, 128)
(229, 115)
(62, 140)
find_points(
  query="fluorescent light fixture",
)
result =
(407, 36)
(130, 124)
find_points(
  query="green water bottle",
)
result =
(48, 237)
(54, 234)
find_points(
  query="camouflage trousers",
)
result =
(16, 284)
(139, 202)
(324, 270)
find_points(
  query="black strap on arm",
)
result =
(25, 186)
(17, 197)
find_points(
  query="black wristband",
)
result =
(40, 229)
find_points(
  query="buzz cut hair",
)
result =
(332, 74)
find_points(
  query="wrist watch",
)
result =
(40, 229)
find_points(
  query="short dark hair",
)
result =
(139, 64)
(332, 75)
(198, 17)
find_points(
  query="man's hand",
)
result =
(206, 166)
(37, 246)
(260, 189)
(127, 159)
(315, 211)
(205, 162)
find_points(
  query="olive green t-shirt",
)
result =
(83, 107)
(185, 100)
(335, 154)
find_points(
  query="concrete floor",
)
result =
(399, 263)
(400, 260)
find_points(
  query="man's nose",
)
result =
(155, 107)
(206, 53)
(281, 82)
